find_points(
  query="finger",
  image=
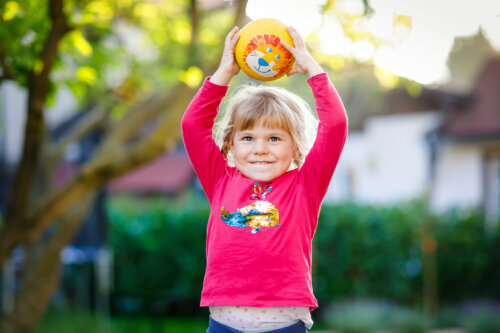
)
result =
(230, 35)
(296, 37)
(287, 46)
(234, 40)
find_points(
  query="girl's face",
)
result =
(263, 153)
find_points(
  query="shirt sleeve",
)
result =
(321, 161)
(197, 126)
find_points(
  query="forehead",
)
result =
(262, 119)
(260, 129)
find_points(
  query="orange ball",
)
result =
(259, 52)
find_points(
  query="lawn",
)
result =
(82, 322)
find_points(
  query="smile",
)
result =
(261, 163)
(258, 70)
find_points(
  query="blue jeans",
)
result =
(216, 327)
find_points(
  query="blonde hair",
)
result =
(270, 107)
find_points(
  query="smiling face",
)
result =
(264, 62)
(263, 153)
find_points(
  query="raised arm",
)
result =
(198, 120)
(321, 161)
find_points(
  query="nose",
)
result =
(260, 147)
(263, 62)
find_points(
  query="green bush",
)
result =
(468, 257)
(376, 252)
(366, 251)
(159, 250)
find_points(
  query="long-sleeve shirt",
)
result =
(259, 233)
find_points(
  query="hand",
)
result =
(228, 66)
(304, 62)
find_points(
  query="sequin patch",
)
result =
(256, 215)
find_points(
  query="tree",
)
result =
(39, 39)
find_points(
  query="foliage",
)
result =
(359, 251)
(159, 254)
(468, 256)
(118, 52)
(368, 252)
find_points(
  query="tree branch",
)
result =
(94, 119)
(111, 163)
(136, 118)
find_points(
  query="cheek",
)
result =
(238, 151)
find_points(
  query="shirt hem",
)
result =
(233, 302)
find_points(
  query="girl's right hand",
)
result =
(228, 66)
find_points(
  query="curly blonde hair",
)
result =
(270, 107)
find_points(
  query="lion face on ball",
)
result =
(265, 56)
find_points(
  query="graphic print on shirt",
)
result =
(257, 215)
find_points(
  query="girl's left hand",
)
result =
(304, 62)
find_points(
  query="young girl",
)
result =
(265, 193)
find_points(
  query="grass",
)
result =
(83, 322)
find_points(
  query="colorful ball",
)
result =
(259, 52)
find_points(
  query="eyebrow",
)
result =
(249, 131)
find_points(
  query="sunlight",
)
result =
(418, 53)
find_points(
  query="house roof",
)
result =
(481, 118)
(466, 117)
(400, 101)
(167, 174)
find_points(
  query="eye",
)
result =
(274, 139)
(277, 56)
(246, 138)
(269, 50)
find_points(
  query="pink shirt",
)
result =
(259, 233)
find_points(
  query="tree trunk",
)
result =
(41, 270)
(11, 232)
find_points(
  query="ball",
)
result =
(259, 53)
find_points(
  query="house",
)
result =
(442, 144)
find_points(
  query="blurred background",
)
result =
(102, 218)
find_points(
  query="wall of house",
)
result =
(387, 162)
(459, 176)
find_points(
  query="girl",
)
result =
(265, 195)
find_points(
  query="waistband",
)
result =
(295, 327)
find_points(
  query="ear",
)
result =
(296, 152)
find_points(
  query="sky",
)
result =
(419, 53)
